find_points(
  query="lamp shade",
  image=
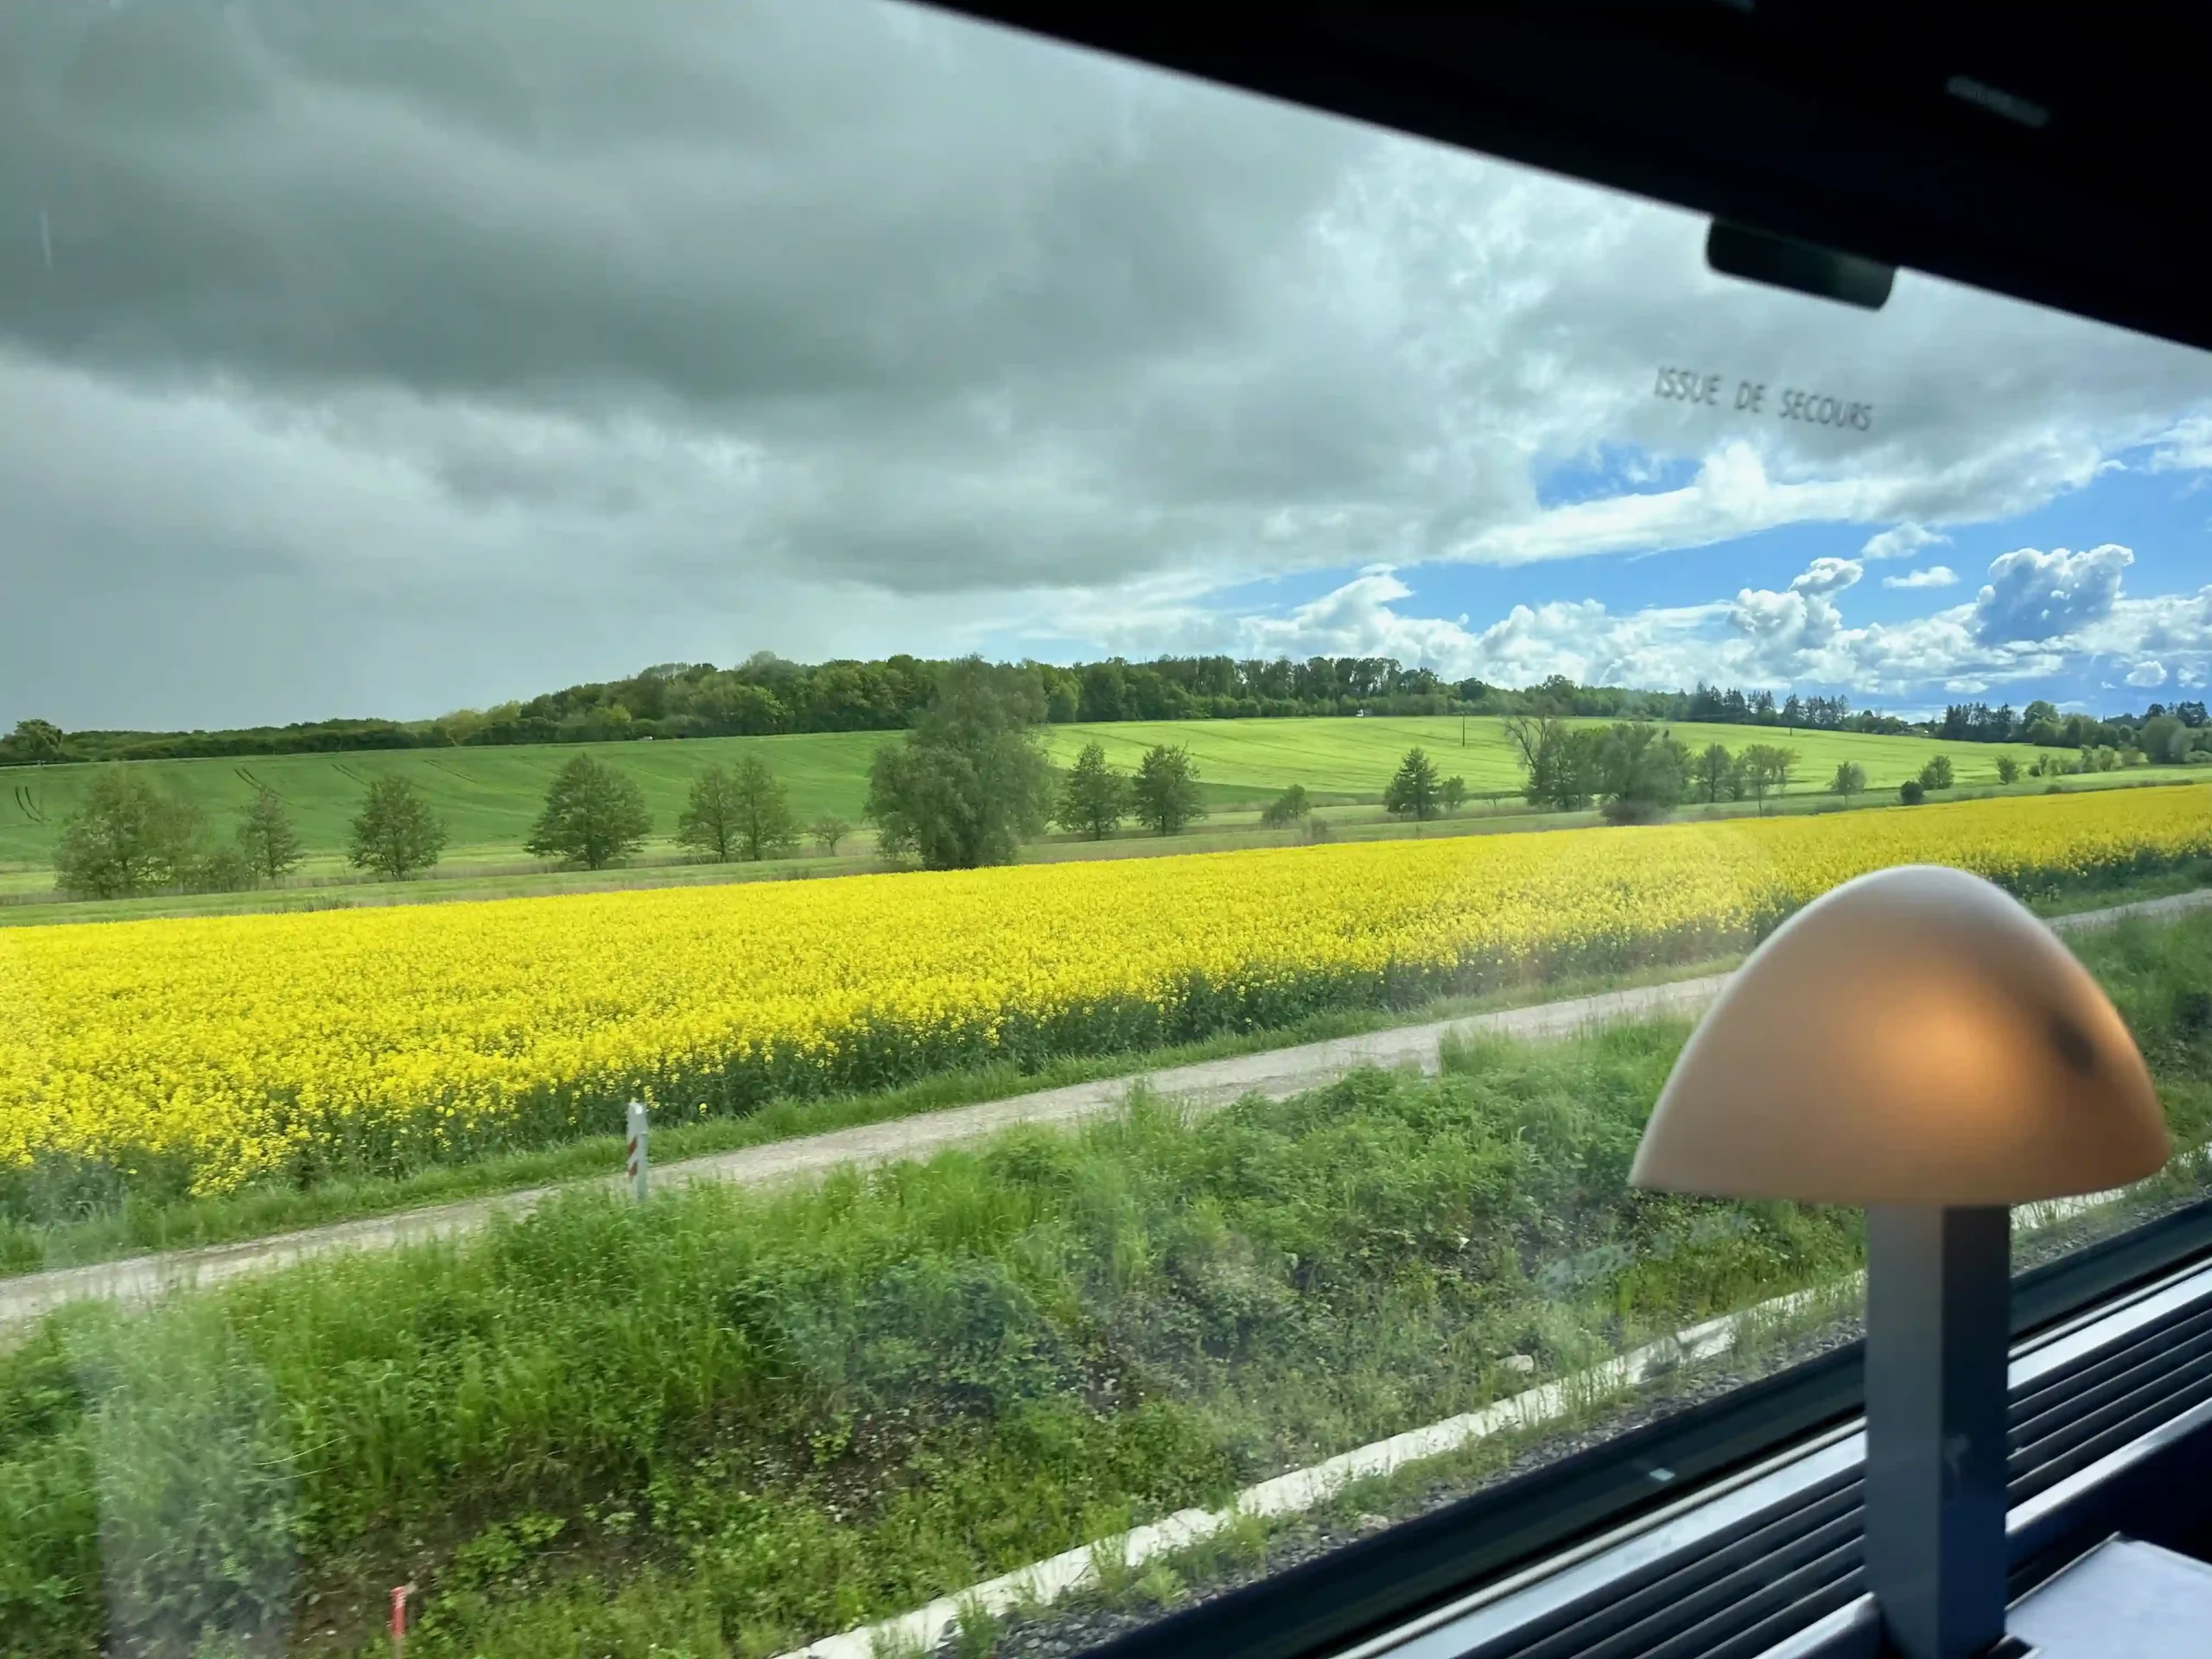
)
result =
(1916, 1036)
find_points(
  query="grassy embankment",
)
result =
(490, 796)
(727, 1421)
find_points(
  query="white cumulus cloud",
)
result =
(2037, 596)
(1901, 542)
(2040, 615)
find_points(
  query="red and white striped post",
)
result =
(636, 1167)
(403, 1614)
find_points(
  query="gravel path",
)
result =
(1273, 1075)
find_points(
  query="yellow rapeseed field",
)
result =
(233, 1048)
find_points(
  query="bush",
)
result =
(1286, 809)
(223, 869)
(1936, 774)
(1912, 792)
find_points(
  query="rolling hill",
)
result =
(490, 796)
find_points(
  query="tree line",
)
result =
(766, 694)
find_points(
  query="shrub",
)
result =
(1286, 809)
(1912, 792)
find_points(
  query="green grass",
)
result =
(725, 1422)
(489, 797)
(1355, 758)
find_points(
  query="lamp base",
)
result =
(1938, 1328)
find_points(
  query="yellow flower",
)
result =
(240, 1045)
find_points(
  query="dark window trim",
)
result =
(1904, 131)
(1362, 1589)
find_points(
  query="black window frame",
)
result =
(1371, 1586)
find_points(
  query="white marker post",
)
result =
(636, 1167)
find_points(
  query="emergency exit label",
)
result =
(1734, 394)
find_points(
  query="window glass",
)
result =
(824, 830)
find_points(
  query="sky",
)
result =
(391, 359)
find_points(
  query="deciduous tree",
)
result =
(709, 822)
(1715, 772)
(130, 836)
(266, 838)
(35, 741)
(970, 782)
(593, 815)
(1094, 797)
(1764, 769)
(1642, 773)
(1165, 792)
(1560, 764)
(396, 833)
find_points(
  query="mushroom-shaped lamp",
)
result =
(1915, 1041)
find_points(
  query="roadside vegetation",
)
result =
(726, 1422)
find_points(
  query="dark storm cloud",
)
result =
(455, 349)
(712, 205)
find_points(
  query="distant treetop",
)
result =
(767, 694)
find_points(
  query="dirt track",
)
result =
(1273, 1075)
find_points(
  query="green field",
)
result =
(490, 796)
(728, 1421)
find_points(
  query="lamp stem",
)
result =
(1938, 1329)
